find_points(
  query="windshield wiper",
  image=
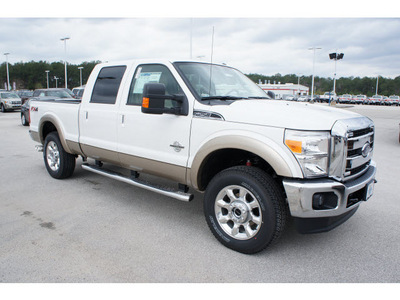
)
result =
(222, 98)
(257, 97)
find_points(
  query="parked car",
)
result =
(376, 100)
(304, 98)
(25, 113)
(359, 99)
(395, 100)
(54, 93)
(24, 95)
(328, 96)
(346, 98)
(9, 101)
(78, 92)
(386, 101)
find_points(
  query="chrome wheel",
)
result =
(53, 156)
(238, 212)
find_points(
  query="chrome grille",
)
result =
(360, 145)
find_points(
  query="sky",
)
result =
(264, 39)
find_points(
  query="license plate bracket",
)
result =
(369, 190)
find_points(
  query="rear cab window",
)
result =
(107, 85)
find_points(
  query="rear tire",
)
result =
(245, 209)
(23, 120)
(59, 163)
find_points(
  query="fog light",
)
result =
(321, 201)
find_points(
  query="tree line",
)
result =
(344, 85)
(32, 75)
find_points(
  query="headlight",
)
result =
(311, 149)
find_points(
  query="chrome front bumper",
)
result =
(300, 194)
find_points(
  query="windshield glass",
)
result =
(219, 82)
(58, 94)
(9, 95)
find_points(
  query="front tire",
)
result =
(245, 209)
(59, 163)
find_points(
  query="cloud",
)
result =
(253, 45)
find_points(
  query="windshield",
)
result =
(219, 82)
(9, 96)
(58, 94)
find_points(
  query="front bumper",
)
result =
(300, 195)
(10, 106)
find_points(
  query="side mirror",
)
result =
(153, 98)
(154, 101)
(271, 94)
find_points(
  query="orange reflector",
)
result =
(145, 102)
(295, 146)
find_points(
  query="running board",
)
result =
(140, 183)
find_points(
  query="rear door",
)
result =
(98, 115)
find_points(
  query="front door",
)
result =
(155, 144)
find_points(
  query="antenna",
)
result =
(191, 37)
(212, 52)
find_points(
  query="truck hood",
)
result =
(302, 116)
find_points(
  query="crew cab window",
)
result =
(156, 74)
(107, 85)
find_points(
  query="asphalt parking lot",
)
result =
(92, 229)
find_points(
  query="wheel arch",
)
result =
(50, 123)
(228, 151)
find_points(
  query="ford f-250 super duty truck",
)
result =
(210, 128)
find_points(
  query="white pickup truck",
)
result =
(209, 128)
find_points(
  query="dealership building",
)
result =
(280, 89)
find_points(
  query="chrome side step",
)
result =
(179, 195)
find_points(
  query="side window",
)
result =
(153, 73)
(36, 93)
(107, 84)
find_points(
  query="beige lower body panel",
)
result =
(139, 164)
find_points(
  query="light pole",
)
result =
(8, 75)
(377, 82)
(298, 84)
(56, 78)
(80, 71)
(65, 63)
(312, 84)
(335, 56)
(47, 77)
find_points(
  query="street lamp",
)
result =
(298, 84)
(80, 71)
(8, 75)
(47, 77)
(65, 63)
(335, 56)
(312, 84)
(377, 82)
(56, 78)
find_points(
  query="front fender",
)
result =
(274, 155)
